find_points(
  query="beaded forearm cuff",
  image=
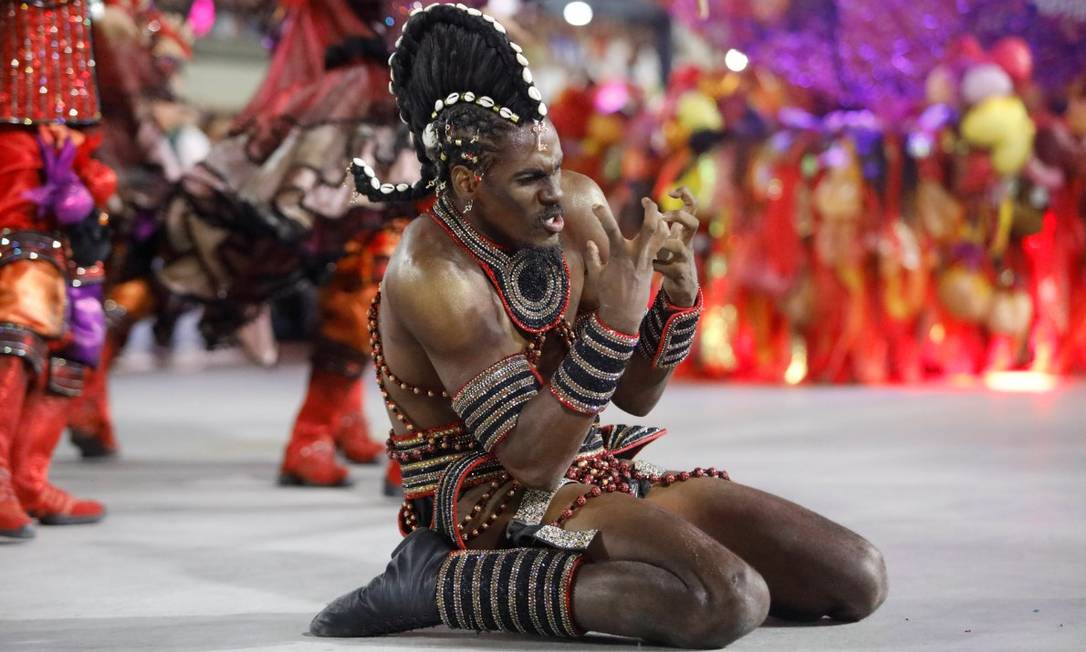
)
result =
(490, 403)
(589, 374)
(525, 590)
(667, 331)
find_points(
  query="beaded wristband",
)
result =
(667, 331)
(589, 374)
(490, 403)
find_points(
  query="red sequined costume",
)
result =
(51, 244)
(269, 209)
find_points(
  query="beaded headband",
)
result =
(429, 136)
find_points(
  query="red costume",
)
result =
(51, 242)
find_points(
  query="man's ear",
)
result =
(465, 181)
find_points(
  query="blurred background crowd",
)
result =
(890, 191)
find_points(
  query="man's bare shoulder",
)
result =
(433, 286)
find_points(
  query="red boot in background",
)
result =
(44, 415)
(352, 435)
(393, 479)
(90, 425)
(310, 456)
(14, 522)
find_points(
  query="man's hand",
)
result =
(675, 259)
(625, 281)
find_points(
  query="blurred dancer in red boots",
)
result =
(52, 240)
(269, 210)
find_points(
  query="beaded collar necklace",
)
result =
(533, 284)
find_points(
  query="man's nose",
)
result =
(552, 193)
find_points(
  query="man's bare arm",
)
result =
(643, 384)
(459, 322)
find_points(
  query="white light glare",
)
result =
(578, 13)
(503, 7)
(735, 60)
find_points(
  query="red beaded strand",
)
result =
(482, 503)
(382, 370)
(608, 474)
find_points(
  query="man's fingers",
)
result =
(610, 227)
(686, 220)
(652, 216)
(672, 250)
(668, 269)
(689, 203)
(652, 242)
(651, 222)
(592, 263)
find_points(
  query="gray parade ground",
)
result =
(976, 498)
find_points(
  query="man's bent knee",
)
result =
(867, 586)
(726, 610)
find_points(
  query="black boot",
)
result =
(402, 598)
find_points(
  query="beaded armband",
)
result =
(589, 374)
(667, 331)
(490, 403)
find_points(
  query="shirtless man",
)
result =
(522, 513)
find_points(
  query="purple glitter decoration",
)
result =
(63, 194)
(877, 53)
(87, 323)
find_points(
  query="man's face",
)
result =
(520, 197)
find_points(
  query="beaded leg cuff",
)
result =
(491, 402)
(589, 374)
(528, 590)
(23, 343)
(667, 331)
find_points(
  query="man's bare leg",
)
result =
(653, 576)
(813, 566)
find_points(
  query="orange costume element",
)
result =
(33, 295)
